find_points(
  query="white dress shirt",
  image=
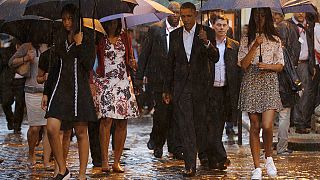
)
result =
(169, 29)
(317, 41)
(220, 67)
(304, 52)
(188, 40)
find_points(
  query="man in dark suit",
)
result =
(297, 37)
(152, 63)
(12, 89)
(223, 93)
(192, 48)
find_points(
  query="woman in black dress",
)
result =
(71, 98)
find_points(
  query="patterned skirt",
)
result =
(259, 91)
(115, 100)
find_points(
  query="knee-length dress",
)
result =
(70, 95)
(114, 92)
(260, 88)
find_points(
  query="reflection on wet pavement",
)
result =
(139, 162)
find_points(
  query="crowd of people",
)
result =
(200, 80)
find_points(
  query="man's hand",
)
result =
(166, 97)
(44, 102)
(203, 36)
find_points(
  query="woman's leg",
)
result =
(66, 143)
(33, 136)
(56, 167)
(46, 148)
(81, 130)
(105, 126)
(53, 128)
(267, 133)
(254, 138)
(120, 138)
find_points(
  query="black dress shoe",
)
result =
(189, 173)
(178, 156)
(223, 165)
(17, 131)
(150, 145)
(158, 153)
(10, 126)
(204, 162)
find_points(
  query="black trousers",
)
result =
(94, 139)
(190, 114)
(14, 92)
(164, 126)
(304, 108)
(216, 119)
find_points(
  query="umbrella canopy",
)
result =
(52, 8)
(285, 7)
(296, 6)
(29, 28)
(19, 26)
(146, 11)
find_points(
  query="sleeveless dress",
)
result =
(115, 95)
(259, 90)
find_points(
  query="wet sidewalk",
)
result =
(139, 162)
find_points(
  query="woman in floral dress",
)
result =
(259, 94)
(114, 97)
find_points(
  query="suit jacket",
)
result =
(154, 57)
(7, 73)
(233, 72)
(289, 34)
(197, 71)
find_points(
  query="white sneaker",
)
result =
(257, 174)
(271, 168)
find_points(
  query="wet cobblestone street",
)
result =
(139, 162)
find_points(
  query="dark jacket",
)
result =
(289, 34)
(7, 73)
(233, 72)
(197, 71)
(154, 56)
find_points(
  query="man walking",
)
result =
(223, 93)
(297, 37)
(152, 61)
(12, 89)
(191, 52)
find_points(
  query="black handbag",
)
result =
(290, 70)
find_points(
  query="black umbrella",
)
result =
(31, 29)
(52, 8)
(25, 28)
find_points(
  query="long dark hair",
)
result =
(73, 10)
(268, 29)
(119, 26)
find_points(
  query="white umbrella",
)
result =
(146, 11)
